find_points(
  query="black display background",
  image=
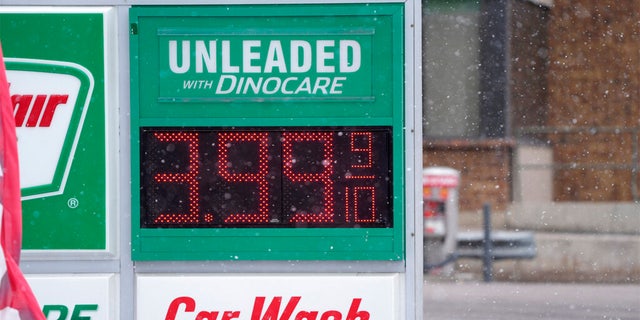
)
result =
(218, 199)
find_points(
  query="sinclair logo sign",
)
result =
(62, 88)
(50, 101)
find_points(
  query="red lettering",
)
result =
(331, 315)
(36, 109)
(172, 312)
(228, 315)
(54, 101)
(213, 315)
(21, 104)
(273, 309)
(190, 306)
(307, 315)
(354, 314)
(207, 315)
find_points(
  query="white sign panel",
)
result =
(44, 114)
(69, 297)
(261, 297)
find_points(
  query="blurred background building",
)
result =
(537, 104)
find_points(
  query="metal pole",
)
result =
(487, 257)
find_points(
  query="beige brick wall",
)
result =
(594, 78)
(587, 96)
(485, 170)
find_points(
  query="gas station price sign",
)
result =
(267, 132)
(266, 177)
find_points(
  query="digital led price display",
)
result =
(336, 177)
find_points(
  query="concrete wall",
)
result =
(565, 257)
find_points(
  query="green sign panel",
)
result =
(55, 63)
(293, 65)
(267, 132)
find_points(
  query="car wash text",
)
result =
(275, 309)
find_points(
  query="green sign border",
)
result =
(387, 108)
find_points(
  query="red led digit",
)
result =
(353, 201)
(225, 141)
(367, 149)
(347, 217)
(363, 146)
(324, 177)
(357, 208)
(189, 177)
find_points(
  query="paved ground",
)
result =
(521, 301)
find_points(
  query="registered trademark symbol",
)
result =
(73, 203)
